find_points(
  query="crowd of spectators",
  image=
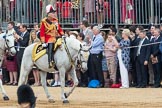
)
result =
(140, 56)
(143, 62)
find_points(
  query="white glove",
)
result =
(63, 36)
(44, 45)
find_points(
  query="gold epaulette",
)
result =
(43, 21)
(47, 25)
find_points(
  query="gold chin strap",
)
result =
(75, 4)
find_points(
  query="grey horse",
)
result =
(64, 60)
(6, 43)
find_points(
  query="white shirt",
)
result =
(10, 32)
(140, 45)
(22, 35)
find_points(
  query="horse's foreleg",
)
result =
(62, 79)
(5, 97)
(44, 84)
(75, 80)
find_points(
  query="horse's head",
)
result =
(78, 52)
(83, 56)
(9, 44)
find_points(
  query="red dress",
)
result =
(11, 65)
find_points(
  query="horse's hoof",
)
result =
(51, 101)
(65, 95)
(65, 101)
(5, 98)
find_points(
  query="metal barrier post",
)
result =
(1, 13)
(81, 12)
(152, 11)
(116, 14)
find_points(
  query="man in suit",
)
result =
(134, 41)
(150, 35)
(22, 42)
(142, 58)
(156, 58)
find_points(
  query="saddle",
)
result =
(39, 51)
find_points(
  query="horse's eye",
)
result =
(7, 40)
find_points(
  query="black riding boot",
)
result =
(50, 55)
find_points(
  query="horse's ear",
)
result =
(80, 45)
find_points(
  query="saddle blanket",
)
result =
(39, 51)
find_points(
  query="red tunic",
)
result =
(49, 30)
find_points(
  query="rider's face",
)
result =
(52, 15)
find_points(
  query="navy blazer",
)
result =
(24, 42)
(144, 51)
(155, 51)
(133, 43)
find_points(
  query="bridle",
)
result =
(81, 59)
(8, 48)
(79, 56)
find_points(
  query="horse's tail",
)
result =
(21, 73)
(26, 68)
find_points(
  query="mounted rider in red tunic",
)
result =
(49, 30)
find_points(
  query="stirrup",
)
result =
(51, 64)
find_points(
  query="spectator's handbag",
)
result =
(10, 58)
(154, 60)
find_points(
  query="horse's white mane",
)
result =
(73, 43)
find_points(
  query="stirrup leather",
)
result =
(51, 64)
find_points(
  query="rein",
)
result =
(68, 52)
(8, 48)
